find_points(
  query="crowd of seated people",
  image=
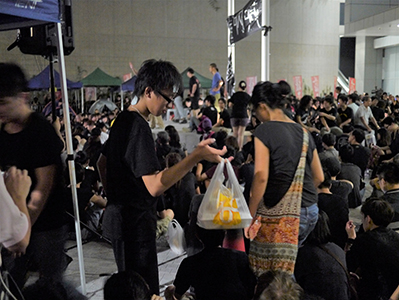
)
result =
(356, 137)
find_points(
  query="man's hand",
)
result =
(204, 151)
(18, 184)
(350, 229)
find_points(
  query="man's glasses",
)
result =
(165, 97)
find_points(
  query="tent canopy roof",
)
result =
(14, 15)
(42, 81)
(99, 78)
(129, 85)
(206, 83)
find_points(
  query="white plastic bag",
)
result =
(224, 207)
(175, 237)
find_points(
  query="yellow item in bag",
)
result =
(228, 213)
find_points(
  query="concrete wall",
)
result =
(368, 65)
(390, 70)
(360, 9)
(111, 33)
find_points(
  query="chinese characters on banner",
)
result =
(315, 86)
(335, 86)
(352, 85)
(251, 82)
(298, 86)
(246, 21)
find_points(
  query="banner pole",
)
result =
(265, 42)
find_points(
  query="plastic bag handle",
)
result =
(232, 175)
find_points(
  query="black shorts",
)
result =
(194, 103)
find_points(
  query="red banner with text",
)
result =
(316, 86)
(335, 87)
(352, 85)
(298, 86)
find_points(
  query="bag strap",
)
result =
(335, 257)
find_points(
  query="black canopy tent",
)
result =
(15, 14)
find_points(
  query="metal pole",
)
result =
(52, 88)
(71, 162)
(121, 98)
(265, 42)
(231, 48)
(82, 100)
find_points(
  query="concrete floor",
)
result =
(99, 264)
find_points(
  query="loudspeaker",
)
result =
(42, 39)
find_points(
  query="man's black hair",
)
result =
(127, 285)
(359, 135)
(12, 80)
(190, 70)
(329, 139)
(327, 180)
(388, 121)
(389, 172)
(223, 100)
(211, 99)
(210, 238)
(346, 153)
(329, 99)
(158, 75)
(321, 234)
(343, 97)
(380, 211)
(332, 166)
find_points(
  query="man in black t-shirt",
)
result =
(224, 116)
(345, 113)
(328, 116)
(194, 88)
(209, 110)
(132, 176)
(29, 142)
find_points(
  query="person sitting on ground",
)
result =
(328, 144)
(344, 111)
(317, 269)
(215, 272)
(277, 285)
(364, 114)
(388, 177)
(336, 208)
(328, 117)
(375, 252)
(174, 141)
(340, 187)
(127, 285)
(303, 111)
(224, 116)
(209, 110)
(162, 147)
(351, 172)
(179, 195)
(362, 155)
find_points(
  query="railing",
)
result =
(343, 81)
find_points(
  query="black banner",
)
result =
(245, 22)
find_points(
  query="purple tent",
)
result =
(129, 85)
(42, 81)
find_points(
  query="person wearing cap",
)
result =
(132, 176)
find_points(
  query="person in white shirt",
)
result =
(364, 114)
(14, 216)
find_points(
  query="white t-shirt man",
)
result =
(364, 112)
(13, 223)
